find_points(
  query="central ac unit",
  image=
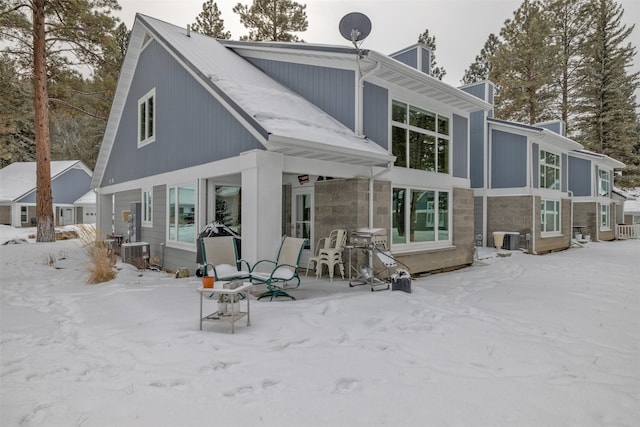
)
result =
(136, 254)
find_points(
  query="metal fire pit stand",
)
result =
(365, 240)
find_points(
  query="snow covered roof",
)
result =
(280, 119)
(19, 178)
(89, 198)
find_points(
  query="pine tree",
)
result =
(525, 67)
(45, 35)
(569, 25)
(209, 23)
(273, 20)
(608, 121)
(480, 69)
(17, 135)
(430, 42)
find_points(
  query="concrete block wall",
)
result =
(584, 213)
(509, 213)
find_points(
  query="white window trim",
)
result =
(435, 134)
(559, 167)
(420, 246)
(26, 214)
(148, 222)
(607, 226)
(148, 139)
(174, 243)
(554, 233)
(608, 181)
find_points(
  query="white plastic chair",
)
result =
(332, 256)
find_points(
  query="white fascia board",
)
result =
(320, 59)
(303, 166)
(474, 103)
(598, 159)
(277, 143)
(224, 167)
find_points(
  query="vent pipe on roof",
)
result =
(188, 30)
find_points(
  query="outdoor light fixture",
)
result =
(303, 179)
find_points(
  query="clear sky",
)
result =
(461, 27)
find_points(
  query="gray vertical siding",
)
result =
(476, 141)
(579, 176)
(157, 234)
(460, 146)
(103, 221)
(376, 114)
(426, 61)
(330, 89)
(192, 127)
(410, 57)
(508, 160)
(557, 126)
(478, 90)
(535, 159)
(66, 188)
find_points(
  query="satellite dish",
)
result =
(355, 27)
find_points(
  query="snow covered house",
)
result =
(595, 211)
(519, 174)
(284, 138)
(70, 180)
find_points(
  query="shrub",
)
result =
(101, 262)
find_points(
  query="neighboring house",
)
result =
(632, 208)
(519, 174)
(591, 185)
(285, 138)
(69, 181)
(85, 208)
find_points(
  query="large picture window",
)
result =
(419, 138)
(549, 170)
(420, 216)
(147, 118)
(550, 216)
(604, 183)
(182, 209)
(147, 208)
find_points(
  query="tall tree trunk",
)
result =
(44, 203)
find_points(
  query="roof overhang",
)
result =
(599, 159)
(311, 150)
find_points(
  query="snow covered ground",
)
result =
(526, 340)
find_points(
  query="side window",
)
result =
(146, 118)
(181, 204)
(147, 207)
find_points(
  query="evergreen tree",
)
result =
(430, 42)
(525, 67)
(273, 20)
(17, 135)
(46, 35)
(608, 121)
(209, 23)
(480, 69)
(569, 25)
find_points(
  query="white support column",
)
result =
(261, 204)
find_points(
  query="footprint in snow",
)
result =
(346, 385)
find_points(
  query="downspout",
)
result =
(360, 95)
(533, 225)
(570, 193)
